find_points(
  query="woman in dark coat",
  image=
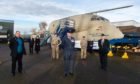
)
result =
(37, 45)
(31, 45)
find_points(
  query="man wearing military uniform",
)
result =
(55, 42)
(83, 44)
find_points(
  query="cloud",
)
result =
(35, 8)
(28, 13)
(123, 14)
(31, 10)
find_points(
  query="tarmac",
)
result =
(0, 62)
(41, 69)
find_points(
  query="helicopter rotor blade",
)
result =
(110, 9)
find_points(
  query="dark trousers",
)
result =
(31, 49)
(37, 48)
(14, 60)
(103, 60)
(68, 61)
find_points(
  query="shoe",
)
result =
(71, 74)
(20, 72)
(65, 75)
(13, 74)
(105, 69)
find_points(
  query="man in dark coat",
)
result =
(68, 43)
(17, 48)
(103, 50)
(31, 45)
(37, 44)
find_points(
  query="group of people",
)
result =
(34, 42)
(104, 47)
(67, 43)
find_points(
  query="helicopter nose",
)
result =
(121, 35)
(118, 35)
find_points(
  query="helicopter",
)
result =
(90, 25)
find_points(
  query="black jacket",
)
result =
(105, 47)
(37, 44)
(13, 46)
(31, 42)
(67, 43)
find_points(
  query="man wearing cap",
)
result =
(83, 44)
(103, 50)
(55, 42)
(68, 43)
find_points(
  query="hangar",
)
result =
(6, 30)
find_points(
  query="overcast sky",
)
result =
(28, 13)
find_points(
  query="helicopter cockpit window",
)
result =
(98, 18)
(102, 18)
(94, 18)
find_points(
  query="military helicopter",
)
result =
(90, 25)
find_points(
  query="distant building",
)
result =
(131, 31)
(129, 27)
(6, 29)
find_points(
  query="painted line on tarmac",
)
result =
(2, 62)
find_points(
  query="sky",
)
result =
(27, 14)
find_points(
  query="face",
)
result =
(103, 37)
(69, 34)
(18, 34)
(55, 35)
